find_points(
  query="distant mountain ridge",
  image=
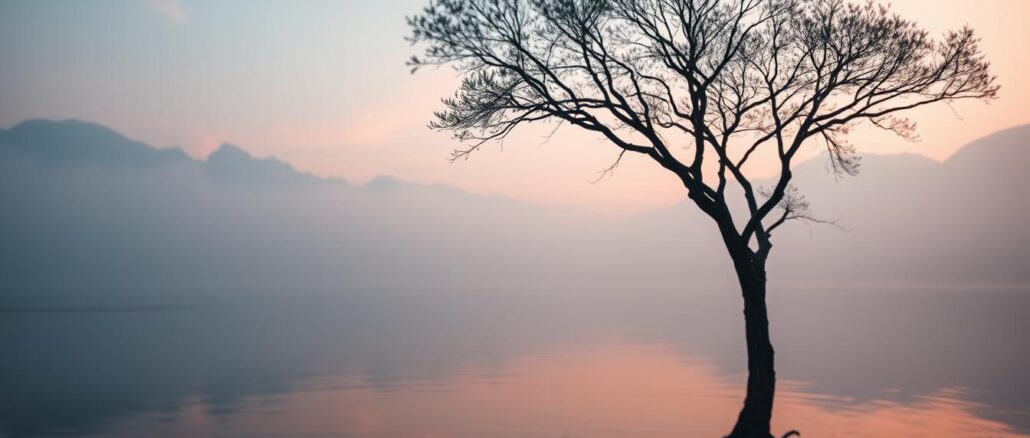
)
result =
(904, 218)
(231, 163)
(89, 211)
(90, 220)
(71, 142)
(74, 141)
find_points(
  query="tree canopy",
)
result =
(700, 86)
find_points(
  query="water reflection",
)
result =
(645, 360)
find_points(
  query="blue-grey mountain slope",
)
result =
(89, 214)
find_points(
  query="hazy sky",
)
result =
(322, 84)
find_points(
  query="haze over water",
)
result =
(148, 294)
(263, 239)
(518, 360)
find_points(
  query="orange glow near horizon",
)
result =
(329, 92)
(389, 136)
(612, 390)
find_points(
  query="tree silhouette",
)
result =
(702, 87)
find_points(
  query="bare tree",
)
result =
(702, 87)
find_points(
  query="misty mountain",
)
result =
(904, 218)
(230, 163)
(908, 218)
(95, 216)
(76, 142)
(142, 227)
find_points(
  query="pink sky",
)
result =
(393, 139)
(324, 86)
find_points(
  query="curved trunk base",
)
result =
(756, 415)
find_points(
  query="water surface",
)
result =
(560, 360)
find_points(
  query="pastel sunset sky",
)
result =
(323, 85)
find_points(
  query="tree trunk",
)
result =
(754, 418)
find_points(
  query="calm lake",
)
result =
(558, 360)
